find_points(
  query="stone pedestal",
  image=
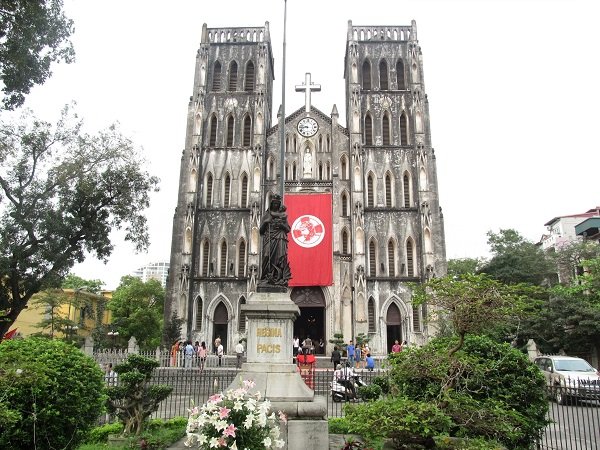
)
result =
(269, 364)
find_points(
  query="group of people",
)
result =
(307, 347)
(359, 356)
(199, 351)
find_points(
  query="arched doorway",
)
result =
(393, 320)
(311, 322)
(220, 321)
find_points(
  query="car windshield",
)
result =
(573, 365)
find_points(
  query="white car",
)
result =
(569, 376)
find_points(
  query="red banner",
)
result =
(310, 247)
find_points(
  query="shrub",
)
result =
(369, 392)
(133, 400)
(339, 425)
(497, 392)
(383, 382)
(55, 390)
(403, 420)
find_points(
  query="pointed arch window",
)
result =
(372, 259)
(368, 130)
(383, 76)
(271, 169)
(388, 190)
(205, 258)
(391, 259)
(345, 242)
(406, 189)
(403, 129)
(244, 193)
(233, 76)
(241, 258)
(198, 322)
(344, 204)
(320, 170)
(370, 191)
(223, 259)
(327, 171)
(226, 191)
(371, 315)
(212, 135)
(416, 317)
(247, 131)
(410, 263)
(400, 75)
(344, 168)
(294, 170)
(241, 315)
(216, 80)
(366, 76)
(230, 126)
(209, 190)
(249, 79)
(385, 129)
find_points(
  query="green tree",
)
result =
(134, 398)
(474, 303)
(56, 392)
(569, 258)
(62, 192)
(33, 35)
(77, 283)
(569, 319)
(54, 321)
(137, 309)
(463, 266)
(517, 260)
(172, 330)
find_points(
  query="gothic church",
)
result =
(379, 170)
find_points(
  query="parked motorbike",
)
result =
(345, 384)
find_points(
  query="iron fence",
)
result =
(574, 425)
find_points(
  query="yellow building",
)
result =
(75, 313)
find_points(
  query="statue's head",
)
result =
(275, 202)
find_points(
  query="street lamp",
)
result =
(114, 335)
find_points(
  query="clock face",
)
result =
(308, 127)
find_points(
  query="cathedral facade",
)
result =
(378, 172)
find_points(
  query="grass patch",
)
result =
(158, 435)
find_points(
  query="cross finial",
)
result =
(307, 87)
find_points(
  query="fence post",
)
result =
(88, 346)
(132, 346)
(157, 356)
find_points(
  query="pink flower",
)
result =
(222, 442)
(215, 398)
(282, 417)
(229, 431)
(223, 412)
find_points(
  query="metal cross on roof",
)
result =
(308, 87)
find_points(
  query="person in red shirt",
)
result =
(396, 348)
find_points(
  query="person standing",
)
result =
(357, 356)
(174, 353)
(396, 348)
(220, 353)
(350, 352)
(239, 353)
(188, 353)
(202, 355)
(296, 346)
(217, 343)
(336, 357)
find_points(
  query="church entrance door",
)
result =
(311, 322)
(393, 320)
(220, 326)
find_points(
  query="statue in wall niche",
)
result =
(307, 162)
(184, 277)
(274, 228)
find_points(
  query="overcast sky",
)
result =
(513, 90)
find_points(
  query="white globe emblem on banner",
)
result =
(308, 231)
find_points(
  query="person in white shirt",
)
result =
(220, 353)
(239, 352)
(189, 353)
